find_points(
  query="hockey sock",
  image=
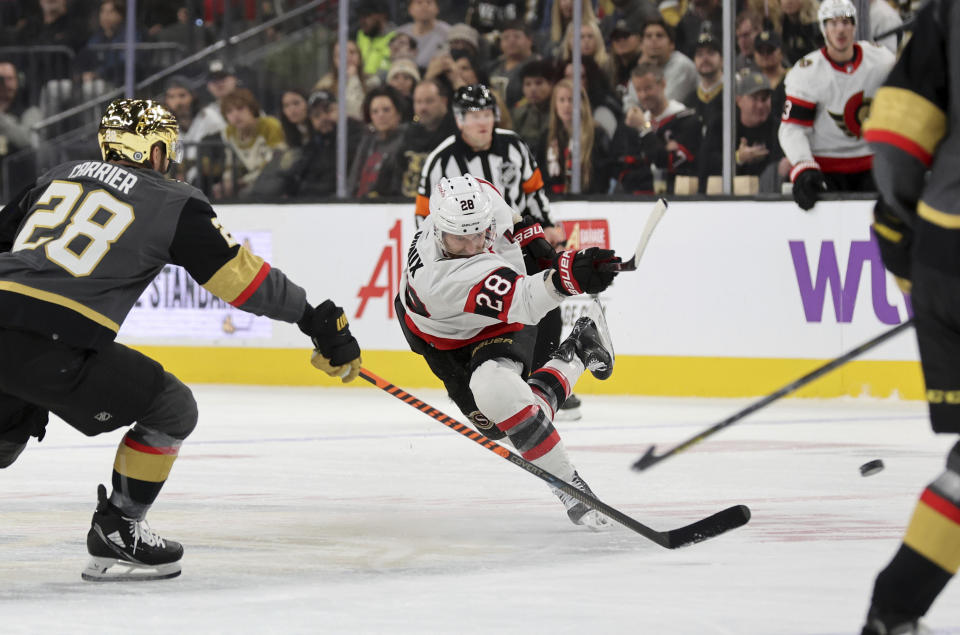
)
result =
(929, 555)
(140, 469)
(553, 383)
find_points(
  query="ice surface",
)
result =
(317, 510)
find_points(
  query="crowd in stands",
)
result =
(651, 109)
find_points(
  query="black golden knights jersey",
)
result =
(78, 248)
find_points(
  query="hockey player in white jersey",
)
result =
(828, 95)
(467, 305)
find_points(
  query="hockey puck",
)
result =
(871, 467)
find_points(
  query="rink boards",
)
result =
(732, 298)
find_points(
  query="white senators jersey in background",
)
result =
(826, 105)
(452, 302)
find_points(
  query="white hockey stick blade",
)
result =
(659, 209)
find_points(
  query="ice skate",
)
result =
(126, 548)
(579, 513)
(881, 624)
(570, 410)
(590, 341)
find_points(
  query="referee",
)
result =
(501, 157)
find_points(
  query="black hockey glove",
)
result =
(894, 237)
(529, 235)
(578, 271)
(807, 187)
(336, 351)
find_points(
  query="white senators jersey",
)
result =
(826, 105)
(453, 302)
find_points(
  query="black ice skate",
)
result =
(127, 549)
(893, 624)
(590, 341)
(570, 410)
(579, 513)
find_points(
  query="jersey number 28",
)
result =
(494, 295)
(96, 223)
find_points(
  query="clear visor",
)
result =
(176, 150)
(467, 244)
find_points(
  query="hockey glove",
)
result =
(336, 351)
(808, 185)
(578, 271)
(529, 235)
(894, 237)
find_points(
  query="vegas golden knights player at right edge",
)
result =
(77, 249)
(914, 132)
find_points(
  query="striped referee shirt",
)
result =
(508, 165)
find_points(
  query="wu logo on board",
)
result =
(814, 284)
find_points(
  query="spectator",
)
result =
(747, 27)
(679, 72)
(16, 118)
(293, 118)
(517, 48)
(186, 30)
(429, 32)
(702, 15)
(373, 36)
(179, 98)
(221, 81)
(100, 59)
(768, 57)
(403, 47)
(357, 80)
(883, 19)
(251, 139)
(432, 123)
(468, 70)
(314, 173)
(155, 15)
(561, 15)
(55, 26)
(490, 16)
(592, 46)
(463, 37)
(660, 138)
(707, 100)
(625, 40)
(403, 76)
(821, 131)
(758, 150)
(799, 29)
(376, 169)
(531, 117)
(607, 112)
(633, 11)
(556, 154)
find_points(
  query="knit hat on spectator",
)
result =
(750, 82)
(321, 98)
(465, 32)
(767, 40)
(404, 66)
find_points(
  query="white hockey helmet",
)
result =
(830, 9)
(460, 207)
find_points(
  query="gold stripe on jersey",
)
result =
(934, 536)
(55, 298)
(909, 115)
(235, 276)
(941, 219)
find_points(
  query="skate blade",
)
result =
(595, 521)
(112, 570)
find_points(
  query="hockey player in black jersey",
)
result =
(77, 249)
(913, 132)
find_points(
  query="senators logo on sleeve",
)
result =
(493, 295)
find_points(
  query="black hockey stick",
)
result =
(649, 459)
(631, 265)
(704, 529)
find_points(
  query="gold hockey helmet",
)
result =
(130, 128)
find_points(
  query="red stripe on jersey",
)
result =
(479, 180)
(800, 122)
(844, 165)
(527, 413)
(543, 447)
(850, 66)
(253, 286)
(560, 377)
(941, 505)
(446, 344)
(148, 449)
(802, 102)
(909, 146)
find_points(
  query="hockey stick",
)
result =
(704, 529)
(650, 459)
(631, 265)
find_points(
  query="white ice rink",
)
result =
(345, 511)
